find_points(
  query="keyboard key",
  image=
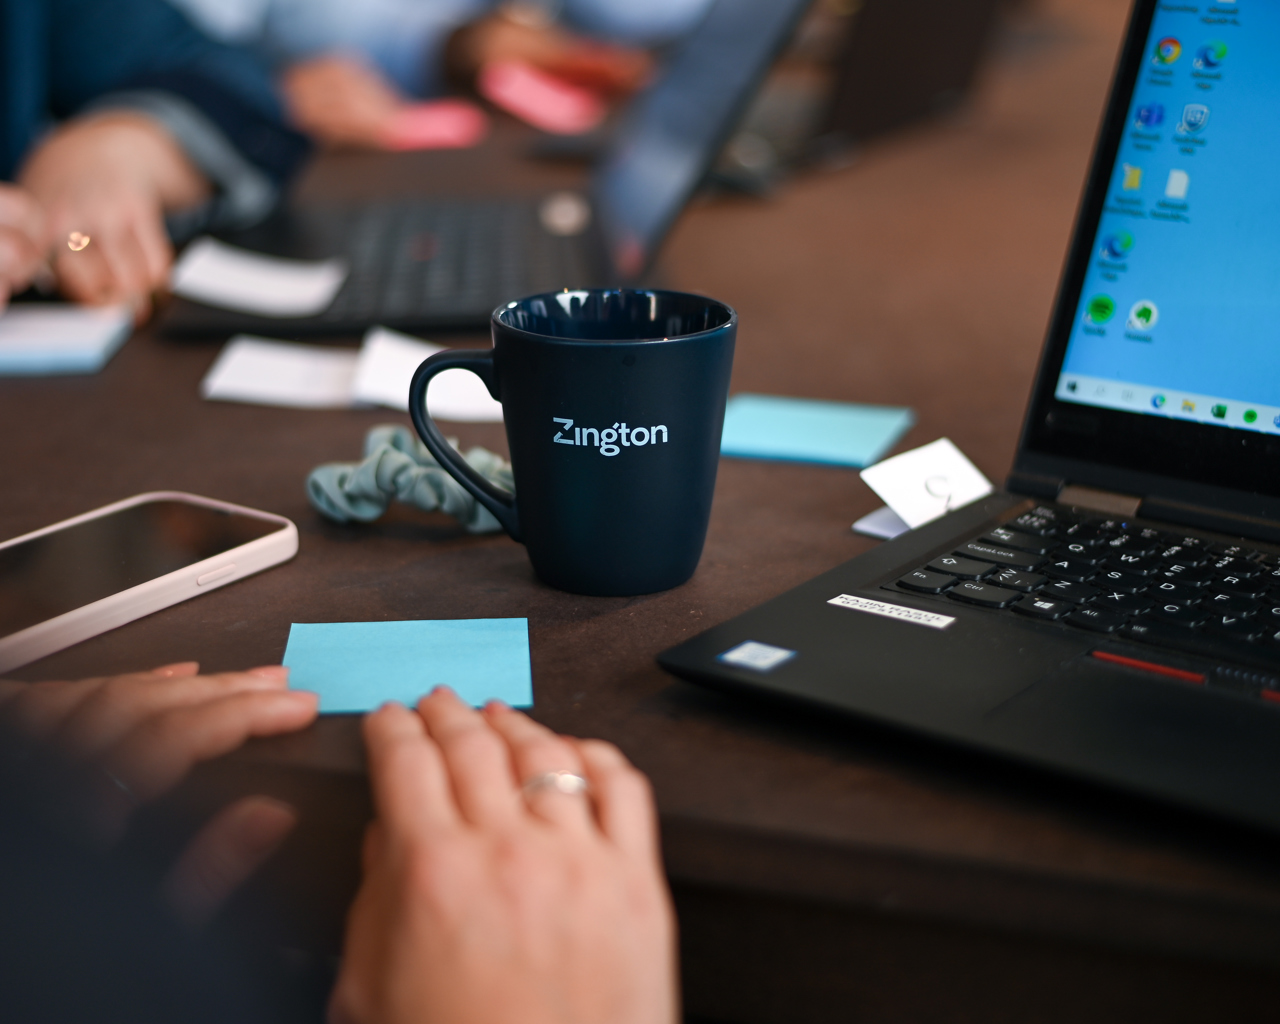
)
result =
(1180, 572)
(1088, 535)
(1069, 569)
(1004, 556)
(1100, 620)
(1080, 552)
(1185, 554)
(1234, 627)
(1232, 551)
(1231, 604)
(926, 582)
(1131, 543)
(1069, 591)
(961, 568)
(1015, 580)
(1206, 645)
(1125, 582)
(1126, 561)
(983, 594)
(1002, 536)
(1179, 614)
(1167, 592)
(1238, 585)
(1042, 608)
(1036, 523)
(1236, 567)
(1129, 604)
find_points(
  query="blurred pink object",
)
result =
(543, 100)
(440, 124)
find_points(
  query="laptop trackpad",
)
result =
(1158, 736)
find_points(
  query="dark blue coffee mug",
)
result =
(614, 404)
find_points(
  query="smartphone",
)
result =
(97, 571)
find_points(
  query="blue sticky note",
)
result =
(358, 666)
(807, 430)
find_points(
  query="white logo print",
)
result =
(607, 439)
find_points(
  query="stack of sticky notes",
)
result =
(807, 430)
(38, 338)
(358, 666)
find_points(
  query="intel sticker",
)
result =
(757, 657)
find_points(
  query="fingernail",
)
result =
(270, 671)
(442, 689)
(178, 668)
(497, 706)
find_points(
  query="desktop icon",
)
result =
(1194, 117)
(1219, 412)
(1251, 415)
(1157, 402)
(1168, 50)
(1101, 308)
(1211, 55)
(1117, 246)
(1276, 421)
(1071, 386)
(1143, 316)
(1150, 116)
(1177, 185)
(1132, 180)
(1188, 405)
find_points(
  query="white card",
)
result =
(388, 360)
(39, 338)
(883, 524)
(928, 482)
(217, 274)
(266, 372)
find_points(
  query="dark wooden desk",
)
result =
(825, 871)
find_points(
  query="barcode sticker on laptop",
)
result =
(893, 611)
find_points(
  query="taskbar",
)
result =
(1177, 405)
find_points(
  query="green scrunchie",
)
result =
(397, 465)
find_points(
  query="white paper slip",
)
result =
(217, 274)
(38, 338)
(925, 483)
(266, 372)
(388, 360)
(883, 524)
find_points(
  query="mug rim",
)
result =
(495, 317)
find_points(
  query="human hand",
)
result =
(340, 102)
(483, 905)
(109, 179)
(23, 241)
(130, 738)
(503, 37)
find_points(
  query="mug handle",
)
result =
(499, 502)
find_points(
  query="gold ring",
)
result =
(77, 240)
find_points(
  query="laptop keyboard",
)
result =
(417, 259)
(1214, 599)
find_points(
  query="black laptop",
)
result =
(447, 263)
(1115, 614)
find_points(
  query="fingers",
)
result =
(478, 762)
(104, 717)
(224, 854)
(410, 781)
(623, 799)
(536, 750)
(20, 259)
(37, 710)
(156, 754)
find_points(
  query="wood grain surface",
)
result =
(825, 870)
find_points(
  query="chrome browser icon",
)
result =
(1168, 50)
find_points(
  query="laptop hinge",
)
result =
(1100, 501)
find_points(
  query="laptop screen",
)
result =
(1179, 314)
(1162, 368)
(676, 128)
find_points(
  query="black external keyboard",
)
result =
(1210, 598)
(416, 258)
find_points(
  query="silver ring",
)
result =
(561, 782)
